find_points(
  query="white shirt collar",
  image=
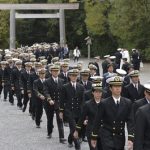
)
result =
(116, 99)
(148, 101)
(42, 80)
(55, 78)
(73, 83)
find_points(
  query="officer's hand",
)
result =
(42, 97)
(22, 91)
(61, 115)
(13, 88)
(130, 145)
(93, 143)
(85, 122)
(29, 95)
(75, 134)
(51, 102)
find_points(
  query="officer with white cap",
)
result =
(113, 129)
(134, 91)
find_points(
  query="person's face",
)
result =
(42, 75)
(55, 73)
(92, 71)
(135, 79)
(84, 77)
(19, 66)
(3, 66)
(110, 69)
(97, 94)
(28, 68)
(73, 78)
(116, 90)
(64, 68)
(147, 95)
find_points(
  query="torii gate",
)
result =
(13, 15)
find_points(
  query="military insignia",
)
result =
(117, 78)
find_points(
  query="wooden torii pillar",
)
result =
(60, 15)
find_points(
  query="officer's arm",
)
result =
(84, 114)
(97, 122)
(63, 99)
(130, 123)
(35, 88)
(29, 85)
(46, 91)
(139, 130)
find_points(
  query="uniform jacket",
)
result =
(72, 100)
(114, 119)
(142, 129)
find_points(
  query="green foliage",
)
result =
(110, 24)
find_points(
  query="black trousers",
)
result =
(72, 125)
(50, 110)
(38, 111)
(26, 100)
(33, 104)
(19, 96)
(6, 90)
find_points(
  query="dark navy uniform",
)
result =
(53, 92)
(132, 93)
(38, 88)
(112, 131)
(72, 102)
(89, 112)
(142, 129)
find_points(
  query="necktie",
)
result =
(65, 74)
(136, 87)
(117, 104)
(56, 81)
(74, 86)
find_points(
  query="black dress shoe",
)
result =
(24, 109)
(33, 117)
(49, 136)
(19, 107)
(70, 145)
(62, 140)
(84, 139)
(38, 126)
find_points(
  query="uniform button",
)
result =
(114, 121)
(121, 128)
(101, 125)
(121, 122)
(113, 134)
(72, 103)
(120, 133)
(114, 128)
(77, 103)
(72, 107)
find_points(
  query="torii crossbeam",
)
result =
(59, 6)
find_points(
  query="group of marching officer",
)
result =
(94, 106)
